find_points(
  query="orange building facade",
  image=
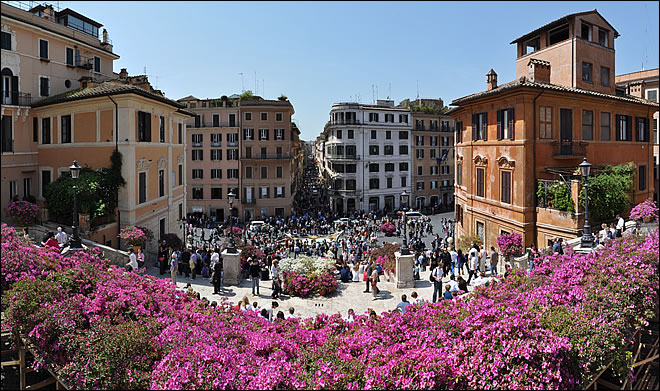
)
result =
(540, 127)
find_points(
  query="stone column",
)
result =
(404, 270)
(231, 267)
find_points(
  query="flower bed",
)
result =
(646, 210)
(305, 275)
(100, 327)
(388, 229)
(384, 257)
(134, 236)
(510, 245)
(24, 213)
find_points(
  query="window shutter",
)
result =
(512, 123)
(14, 90)
(485, 126)
(499, 124)
(475, 122)
(629, 131)
(148, 126)
(618, 127)
(646, 130)
(267, 134)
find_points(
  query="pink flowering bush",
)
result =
(103, 328)
(236, 231)
(388, 228)
(385, 258)
(134, 236)
(24, 213)
(510, 245)
(645, 210)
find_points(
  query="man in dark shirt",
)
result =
(368, 274)
(344, 273)
(217, 276)
(255, 274)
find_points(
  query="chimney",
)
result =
(123, 74)
(539, 71)
(491, 79)
(49, 12)
(105, 36)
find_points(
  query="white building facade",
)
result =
(367, 162)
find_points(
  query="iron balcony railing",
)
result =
(570, 149)
(346, 122)
(212, 125)
(17, 98)
(249, 201)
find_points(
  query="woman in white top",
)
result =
(356, 272)
(361, 270)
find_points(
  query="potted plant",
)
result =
(511, 245)
(134, 236)
(22, 212)
(388, 229)
(646, 211)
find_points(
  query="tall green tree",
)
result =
(609, 192)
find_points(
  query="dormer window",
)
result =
(585, 32)
(602, 37)
(558, 35)
(532, 45)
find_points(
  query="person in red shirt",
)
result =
(52, 242)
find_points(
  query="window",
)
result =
(652, 94)
(532, 45)
(373, 117)
(278, 117)
(373, 150)
(585, 32)
(248, 172)
(434, 185)
(45, 180)
(374, 183)
(248, 134)
(216, 120)
(623, 128)
(420, 154)
(480, 126)
(403, 149)
(351, 168)
(248, 116)
(198, 121)
(6, 41)
(264, 152)
(264, 192)
(97, 64)
(419, 141)
(403, 118)
(642, 177)
(45, 130)
(388, 149)
(197, 173)
(232, 173)
(339, 134)
(587, 125)
(264, 116)
(144, 126)
(197, 154)
(389, 167)
(263, 134)
(7, 134)
(480, 182)
(43, 49)
(350, 184)
(198, 193)
(586, 72)
(389, 182)
(434, 153)
(279, 134)
(232, 139)
(264, 172)
(373, 135)
(459, 132)
(605, 126)
(545, 122)
(162, 129)
(604, 76)
(278, 171)
(403, 166)
(642, 129)
(403, 181)
(232, 154)
(389, 118)
(180, 174)
(66, 129)
(459, 174)
(374, 167)
(216, 193)
(35, 129)
(505, 124)
(279, 191)
(142, 187)
(216, 154)
(350, 133)
(505, 189)
(161, 183)
(419, 124)
(388, 135)
(216, 139)
(44, 86)
(602, 37)
(403, 135)
(180, 134)
(420, 170)
(27, 186)
(68, 56)
(433, 124)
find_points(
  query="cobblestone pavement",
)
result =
(348, 295)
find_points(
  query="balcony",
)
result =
(17, 98)
(569, 150)
(212, 125)
(232, 143)
(346, 122)
(269, 156)
(84, 62)
(343, 157)
(248, 201)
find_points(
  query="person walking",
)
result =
(367, 275)
(494, 257)
(174, 263)
(217, 275)
(436, 277)
(255, 274)
(374, 283)
(132, 265)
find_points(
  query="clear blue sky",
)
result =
(321, 53)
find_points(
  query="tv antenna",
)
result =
(242, 82)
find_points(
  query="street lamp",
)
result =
(231, 249)
(404, 201)
(76, 243)
(587, 238)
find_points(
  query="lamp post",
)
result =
(76, 243)
(587, 238)
(404, 201)
(231, 249)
